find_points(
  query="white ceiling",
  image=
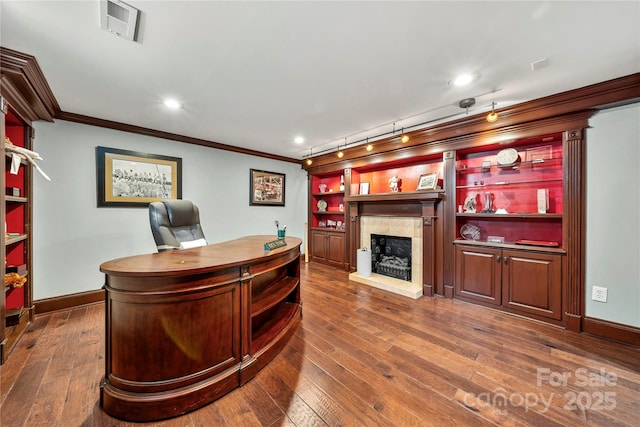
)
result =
(257, 74)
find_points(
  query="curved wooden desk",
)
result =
(185, 327)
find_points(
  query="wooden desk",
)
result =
(185, 327)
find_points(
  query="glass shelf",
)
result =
(531, 164)
(508, 183)
(510, 215)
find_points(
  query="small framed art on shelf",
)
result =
(364, 188)
(428, 181)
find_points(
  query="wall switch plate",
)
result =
(599, 293)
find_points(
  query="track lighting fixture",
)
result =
(492, 116)
(404, 138)
(369, 146)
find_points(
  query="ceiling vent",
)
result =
(119, 18)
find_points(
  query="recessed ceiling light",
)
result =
(172, 104)
(463, 79)
(298, 140)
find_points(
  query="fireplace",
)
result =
(391, 256)
(409, 215)
(410, 231)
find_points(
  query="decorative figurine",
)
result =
(323, 187)
(470, 203)
(393, 184)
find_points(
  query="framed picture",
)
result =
(267, 188)
(364, 188)
(428, 181)
(133, 179)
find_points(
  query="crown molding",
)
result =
(25, 87)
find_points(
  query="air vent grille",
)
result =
(119, 18)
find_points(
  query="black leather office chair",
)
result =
(174, 222)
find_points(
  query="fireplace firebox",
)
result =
(391, 256)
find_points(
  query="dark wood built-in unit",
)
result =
(185, 327)
(24, 98)
(327, 219)
(507, 254)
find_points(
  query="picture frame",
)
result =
(134, 179)
(428, 181)
(266, 188)
(364, 188)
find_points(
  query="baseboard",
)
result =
(68, 301)
(612, 331)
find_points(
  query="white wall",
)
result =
(613, 214)
(72, 237)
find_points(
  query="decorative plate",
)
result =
(507, 156)
(470, 232)
(322, 205)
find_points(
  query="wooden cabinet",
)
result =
(524, 282)
(328, 247)
(16, 301)
(185, 327)
(479, 274)
(510, 225)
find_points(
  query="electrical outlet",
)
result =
(599, 293)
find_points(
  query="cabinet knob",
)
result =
(506, 260)
(498, 258)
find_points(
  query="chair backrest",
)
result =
(174, 222)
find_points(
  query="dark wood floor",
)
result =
(361, 357)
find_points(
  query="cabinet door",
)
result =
(318, 246)
(478, 273)
(335, 249)
(531, 283)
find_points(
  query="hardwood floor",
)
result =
(361, 357)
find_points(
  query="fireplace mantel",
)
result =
(413, 196)
(417, 204)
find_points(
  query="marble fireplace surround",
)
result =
(399, 227)
(411, 215)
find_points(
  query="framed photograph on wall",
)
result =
(266, 188)
(428, 181)
(133, 179)
(364, 188)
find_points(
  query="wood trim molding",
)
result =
(63, 302)
(93, 121)
(574, 225)
(612, 331)
(22, 75)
